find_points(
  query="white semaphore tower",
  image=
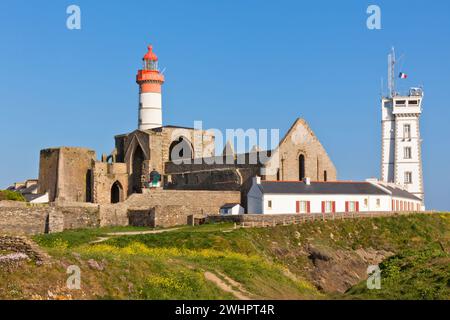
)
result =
(401, 143)
(150, 81)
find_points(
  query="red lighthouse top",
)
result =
(149, 78)
(150, 55)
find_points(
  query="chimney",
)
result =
(256, 180)
(307, 181)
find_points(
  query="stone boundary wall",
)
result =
(113, 214)
(33, 220)
(23, 245)
(22, 220)
(141, 217)
(74, 217)
(264, 220)
(164, 208)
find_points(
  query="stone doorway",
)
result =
(116, 192)
(136, 175)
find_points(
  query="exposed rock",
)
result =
(23, 245)
(338, 270)
(95, 265)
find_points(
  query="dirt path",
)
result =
(227, 285)
(133, 233)
(130, 233)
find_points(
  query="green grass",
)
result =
(11, 195)
(411, 274)
(74, 238)
(267, 262)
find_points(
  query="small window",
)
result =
(407, 152)
(328, 206)
(325, 176)
(408, 177)
(366, 202)
(378, 203)
(407, 131)
(303, 207)
(351, 206)
(269, 204)
(413, 102)
(400, 102)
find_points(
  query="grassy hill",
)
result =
(316, 260)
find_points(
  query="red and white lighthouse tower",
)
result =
(150, 102)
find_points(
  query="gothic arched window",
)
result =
(301, 167)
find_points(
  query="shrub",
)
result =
(11, 195)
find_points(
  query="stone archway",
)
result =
(116, 192)
(181, 149)
(137, 166)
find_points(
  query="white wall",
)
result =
(388, 141)
(150, 110)
(287, 203)
(237, 209)
(254, 199)
(42, 199)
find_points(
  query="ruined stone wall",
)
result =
(202, 141)
(63, 172)
(24, 220)
(232, 177)
(155, 145)
(171, 207)
(198, 202)
(142, 217)
(74, 217)
(40, 219)
(301, 140)
(23, 245)
(114, 214)
(104, 175)
(48, 172)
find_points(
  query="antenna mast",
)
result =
(391, 73)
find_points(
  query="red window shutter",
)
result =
(333, 206)
(308, 206)
(393, 204)
(346, 206)
(323, 206)
(297, 206)
(357, 206)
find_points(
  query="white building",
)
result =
(401, 161)
(231, 209)
(290, 197)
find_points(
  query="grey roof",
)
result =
(29, 190)
(229, 205)
(338, 187)
(31, 196)
(397, 192)
(171, 127)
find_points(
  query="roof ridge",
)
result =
(300, 181)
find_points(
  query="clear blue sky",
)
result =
(232, 64)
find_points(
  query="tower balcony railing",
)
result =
(149, 75)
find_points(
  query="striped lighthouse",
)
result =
(150, 102)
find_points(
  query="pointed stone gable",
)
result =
(299, 141)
